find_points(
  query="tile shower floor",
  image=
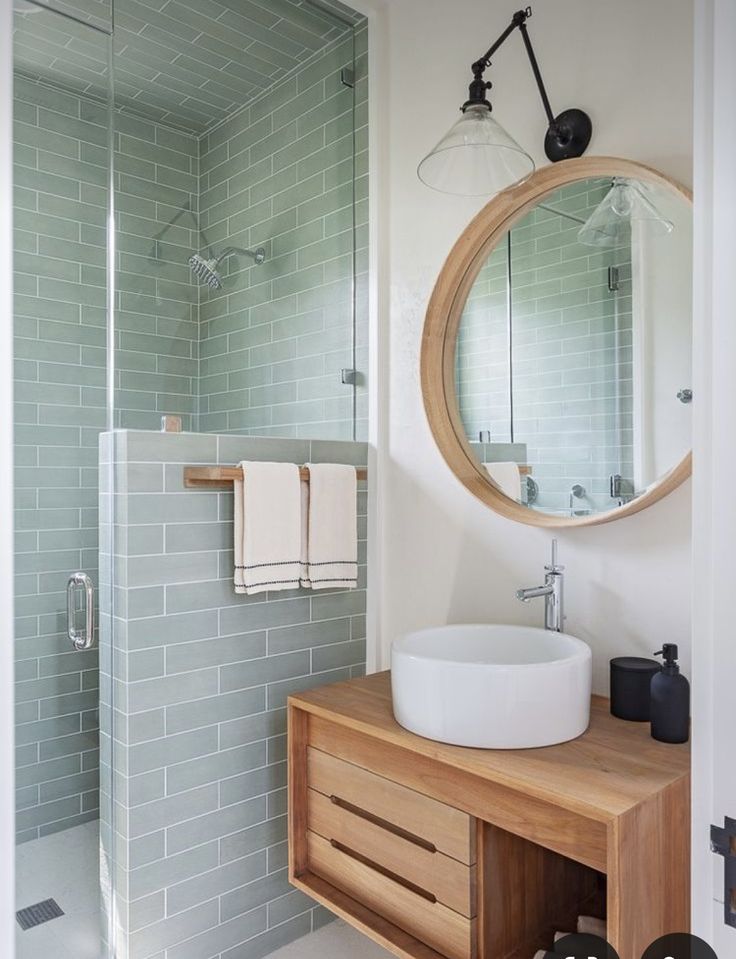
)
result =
(64, 867)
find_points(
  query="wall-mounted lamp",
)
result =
(477, 156)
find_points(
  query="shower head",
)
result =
(206, 270)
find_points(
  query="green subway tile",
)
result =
(48, 140)
(42, 307)
(294, 109)
(300, 195)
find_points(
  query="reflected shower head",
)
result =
(206, 270)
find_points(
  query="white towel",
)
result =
(507, 477)
(592, 926)
(332, 528)
(304, 553)
(267, 528)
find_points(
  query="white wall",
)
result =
(444, 556)
(714, 705)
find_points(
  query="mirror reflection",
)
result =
(573, 357)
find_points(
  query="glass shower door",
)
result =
(62, 179)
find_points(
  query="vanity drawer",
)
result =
(430, 921)
(442, 827)
(414, 862)
(407, 857)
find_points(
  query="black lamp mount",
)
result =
(568, 133)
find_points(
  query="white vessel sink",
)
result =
(496, 687)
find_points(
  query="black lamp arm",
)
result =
(485, 61)
(479, 86)
(537, 73)
(569, 133)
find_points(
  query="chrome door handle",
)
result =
(83, 638)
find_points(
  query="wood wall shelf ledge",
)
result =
(209, 477)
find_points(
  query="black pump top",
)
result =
(670, 653)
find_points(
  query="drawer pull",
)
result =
(431, 922)
(383, 823)
(448, 830)
(451, 882)
(417, 890)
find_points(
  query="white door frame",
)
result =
(7, 632)
(376, 12)
(714, 409)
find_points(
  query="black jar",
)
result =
(631, 679)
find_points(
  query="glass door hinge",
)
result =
(348, 377)
(723, 843)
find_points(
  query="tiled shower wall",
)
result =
(60, 218)
(60, 146)
(202, 677)
(281, 174)
(264, 355)
(157, 328)
(572, 352)
(61, 170)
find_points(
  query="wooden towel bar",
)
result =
(211, 477)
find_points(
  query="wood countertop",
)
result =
(610, 770)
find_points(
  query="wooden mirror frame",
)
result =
(442, 323)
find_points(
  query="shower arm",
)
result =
(258, 255)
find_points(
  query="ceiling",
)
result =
(186, 63)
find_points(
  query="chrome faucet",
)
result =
(552, 591)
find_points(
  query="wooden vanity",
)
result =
(435, 850)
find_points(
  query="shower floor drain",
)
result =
(40, 912)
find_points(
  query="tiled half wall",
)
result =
(201, 679)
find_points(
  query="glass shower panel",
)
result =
(279, 353)
(61, 207)
(241, 198)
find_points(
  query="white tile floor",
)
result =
(64, 867)
(336, 940)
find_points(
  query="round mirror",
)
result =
(556, 362)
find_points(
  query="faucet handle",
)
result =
(553, 566)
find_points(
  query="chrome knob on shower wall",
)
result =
(685, 396)
(83, 637)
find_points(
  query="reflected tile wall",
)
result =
(572, 353)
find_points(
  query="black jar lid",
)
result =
(635, 664)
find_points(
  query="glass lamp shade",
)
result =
(609, 225)
(477, 157)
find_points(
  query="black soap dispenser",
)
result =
(670, 705)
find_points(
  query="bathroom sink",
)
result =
(492, 686)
